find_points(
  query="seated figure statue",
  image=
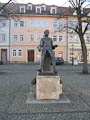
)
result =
(47, 55)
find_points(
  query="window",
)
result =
(38, 9)
(2, 38)
(22, 10)
(54, 38)
(88, 27)
(44, 24)
(2, 23)
(38, 23)
(21, 23)
(15, 23)
(60, 38)
(32, 23)
(32, 37)
(55, 24)
(14, 53)
(38, 37)
(53, 11)
(43, 9)
(88, 39)
(20, 53)
(15, 38)
(72, 24)
(29, 6)
(61, 25)
(21, 38)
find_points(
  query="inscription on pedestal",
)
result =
(48, 87)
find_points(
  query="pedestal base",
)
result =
(48, 87)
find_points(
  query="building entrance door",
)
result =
(4, 55)
(30, 55)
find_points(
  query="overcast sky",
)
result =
(48, 2)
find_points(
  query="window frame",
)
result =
(21, 36)
(14, 50)
(21, 52)
(14, 38)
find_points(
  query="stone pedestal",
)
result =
(48, 87)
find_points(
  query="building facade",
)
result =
(74, 45)
(4, 39)
(27, 28)
(21, 33)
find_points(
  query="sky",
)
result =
(48, 2)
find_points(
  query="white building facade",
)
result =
(4, 40)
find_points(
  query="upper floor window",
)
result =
(87, 38)
(21, 38)
(29, 6)
(72, 24)
(61, 25)
(2, 23)
(54, 38)
(22, 9)
(55, 24)
(44, 24)
(32, 37)
(15, 38)
(38, 24)
(2, 38)
(21, 23)
(15, 23)
(43, 8)
(60, 38)
(38, 9)
(32, 23)
(88, 27)
(53, 10)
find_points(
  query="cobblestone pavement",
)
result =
(15, 82)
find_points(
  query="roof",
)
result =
(13, 8)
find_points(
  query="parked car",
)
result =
(59, 61)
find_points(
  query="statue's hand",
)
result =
(39, 48)
(53, 47)
(56, 46)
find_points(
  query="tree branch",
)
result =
(5, 5)
(86, 28)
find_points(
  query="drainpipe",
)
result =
(9, 38)
(67, 42)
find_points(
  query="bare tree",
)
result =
(4, 5)
(78, 6)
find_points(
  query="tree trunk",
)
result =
(84, 53)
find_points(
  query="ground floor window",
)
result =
(20, 53)
(14, 53)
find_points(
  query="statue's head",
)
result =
(46, 33)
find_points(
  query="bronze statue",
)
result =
(47, 56)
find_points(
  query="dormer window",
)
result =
(29, 6)
(22, 9)
(38, 10)
(43, 8)
(53, 10)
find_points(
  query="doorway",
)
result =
(30, 55)
(4, 55)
